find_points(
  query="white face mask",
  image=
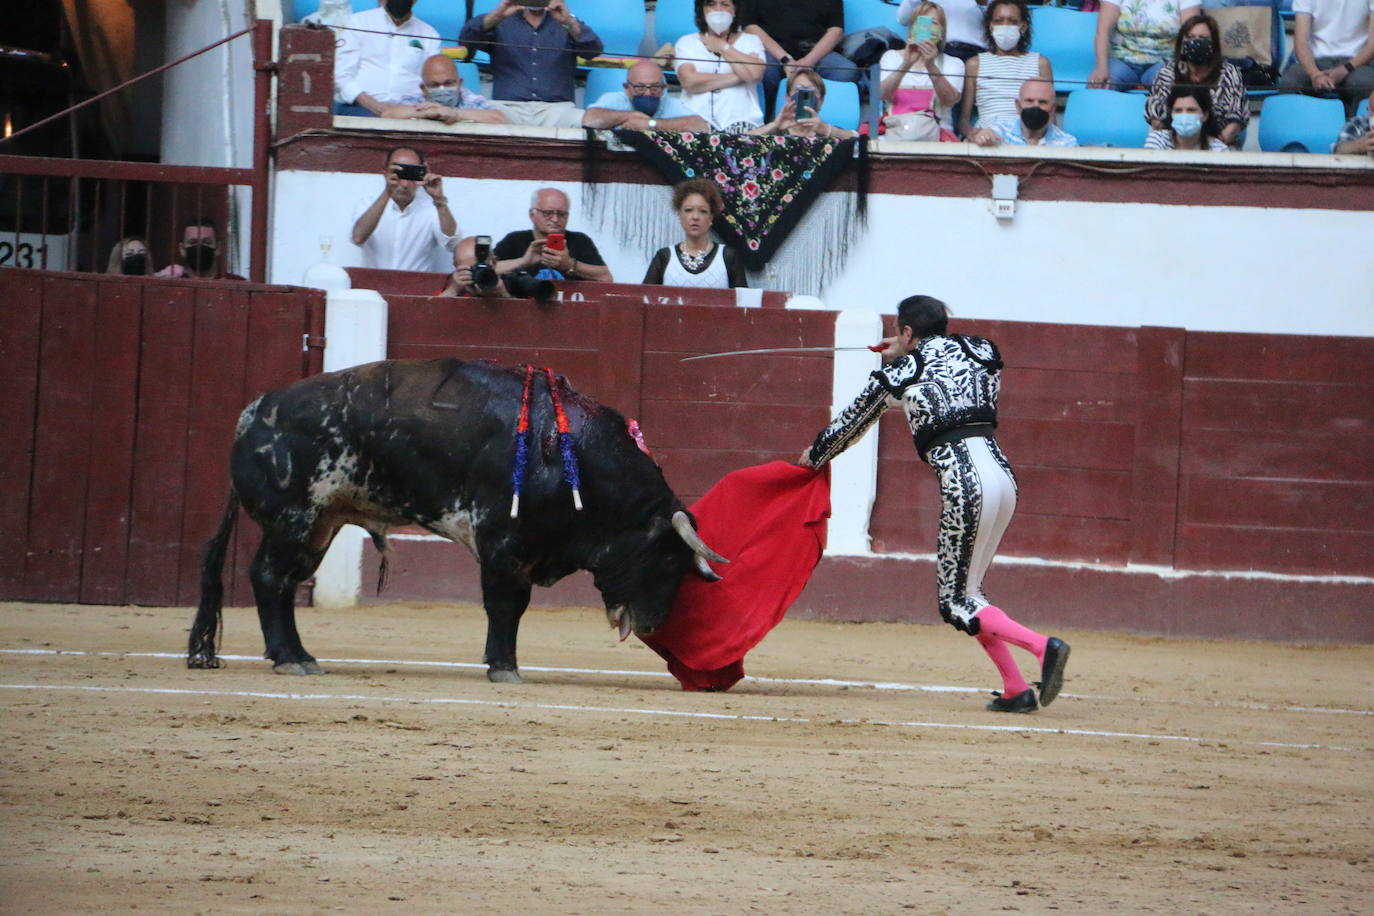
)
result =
(1006, 37)
(719, 21)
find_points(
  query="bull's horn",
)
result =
(682, 524)
(705, 570)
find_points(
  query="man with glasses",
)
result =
(642, 105)
(528, 250)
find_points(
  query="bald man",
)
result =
(642, 105)
(460, 281)
(443, 98)
(1034, 125)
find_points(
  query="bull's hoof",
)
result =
(504, 676)
(312, 667)
(297, 668)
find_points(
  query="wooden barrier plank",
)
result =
(1069, 444)
(1282, 550)
(62, 443)
(689, 331)
(1154, 487)
(1067, 395)
(118, 332)
(1056, 347)
(1070, 492)
(1269, 503)
(513, 322)
(1087, 540)
(1272, 408)
(691, 472)
(792, 381)
(729, 426)
(619, 381)
(1305, 456)
(22, 293)
(1280, 357)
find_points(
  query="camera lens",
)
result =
(484, 278)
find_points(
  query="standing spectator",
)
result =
(372, 71)
(529, 250)
(1357, 136)
(129, 256)
(799, 33)
(1189, 124)
(641, 105)
(403, 230)
(1333, 41)
(443, 97)
(993, 78)
(964, 30)
(1034, 123)
(1198, 61)
(1133, 39)
(198, 253)
(922, 83)
(697, 260)
(792, 122)
(720, 67)
(533, 59)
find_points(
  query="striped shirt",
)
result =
(999, 84)
(1164, 139)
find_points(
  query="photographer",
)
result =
(403, 230)
(474, 274)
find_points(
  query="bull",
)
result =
(431, 443)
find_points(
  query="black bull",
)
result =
(432, 443)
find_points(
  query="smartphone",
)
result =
(805, 100)
(555, 241)
(922, 29)
(407, 171)
(534, 4)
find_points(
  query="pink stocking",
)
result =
(1012, 681)
(992, 621)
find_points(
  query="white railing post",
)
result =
(853, 475)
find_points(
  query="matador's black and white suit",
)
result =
(948, 386)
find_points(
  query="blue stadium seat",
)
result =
(470, 75)
(1362, 109)
(1066, 37)
(619, 23)
(870, 14)
(841, 105)
(1103, 117)
(672, 20)
(1300, 124)
(601, 80)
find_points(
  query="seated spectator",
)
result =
(529, 249)
(460, 280)
(697, 260)
(1357, 136)
(1133, 40)
(802, 120)
(533, 59)
(993, 78)
(642, 105)
(1333, 44)
(719, 68)
(798, 34)
(198, 254)
(129, 256)
(922, 83)
(1190, 122)
(403, 230)
(1198, 61)
(1034, 124)
(963, 31)
(379, 57)
(444, 98)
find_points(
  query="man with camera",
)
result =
(548, 249)
(475, 275)
(401, 229)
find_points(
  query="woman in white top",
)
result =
(720, 67)
(921, 84)
(993, 79)
(697, 260)
(963, 32)
(1189, 124)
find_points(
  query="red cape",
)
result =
(770, 522)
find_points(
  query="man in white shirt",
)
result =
(373, 72)
(1333, 42)
(404, 230)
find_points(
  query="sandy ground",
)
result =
(1171, 776)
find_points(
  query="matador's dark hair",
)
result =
(925, 315)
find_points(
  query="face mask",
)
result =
(1196, 50)
(1006, 37)
(444, 95)
(645, 104)
(200, 257)
(399, 9)
(718, 21)
(1187, 124)
(135, 264)
(1035, 118)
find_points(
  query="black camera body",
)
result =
(484, 275)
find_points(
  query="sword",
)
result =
(875, 348)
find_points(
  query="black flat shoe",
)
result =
(1052, 670)
(1022, 702)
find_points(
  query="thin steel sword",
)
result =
(875, 348)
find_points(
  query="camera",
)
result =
(410, 171)
(484, 275)
(806, 106)
(527, 286)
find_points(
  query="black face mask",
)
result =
(135, 264)
(399, 9)
(200, 258)
(1196, 50)
(1035, 118)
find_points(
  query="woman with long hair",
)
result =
(993, 79)
(697, 260)
(1189, 123)
(130, 256)
(1198, 61)
(719, 68)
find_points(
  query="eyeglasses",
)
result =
(651, 88)
(552, 214)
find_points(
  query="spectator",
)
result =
(796, 34)
(1132, 42)
(444, 98)
(697, 260)
(460, 280)
(403, 230)
(533, 59)
(1034, 124)
(1190, 122)
(922, 83)
(528, 249)
(642, 105)
(129, 256)
(992, 79)
(963, 31)
(1333, 43)
(720, 67)
(809, 124)
(1198, 61)
(198, 254)
(1358, 134)
(379, 57)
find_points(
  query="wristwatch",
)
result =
(785, 60)
(653, 124)
(1349, 67)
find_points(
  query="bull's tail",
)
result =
(202, 648)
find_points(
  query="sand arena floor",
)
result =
(1171, 776)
